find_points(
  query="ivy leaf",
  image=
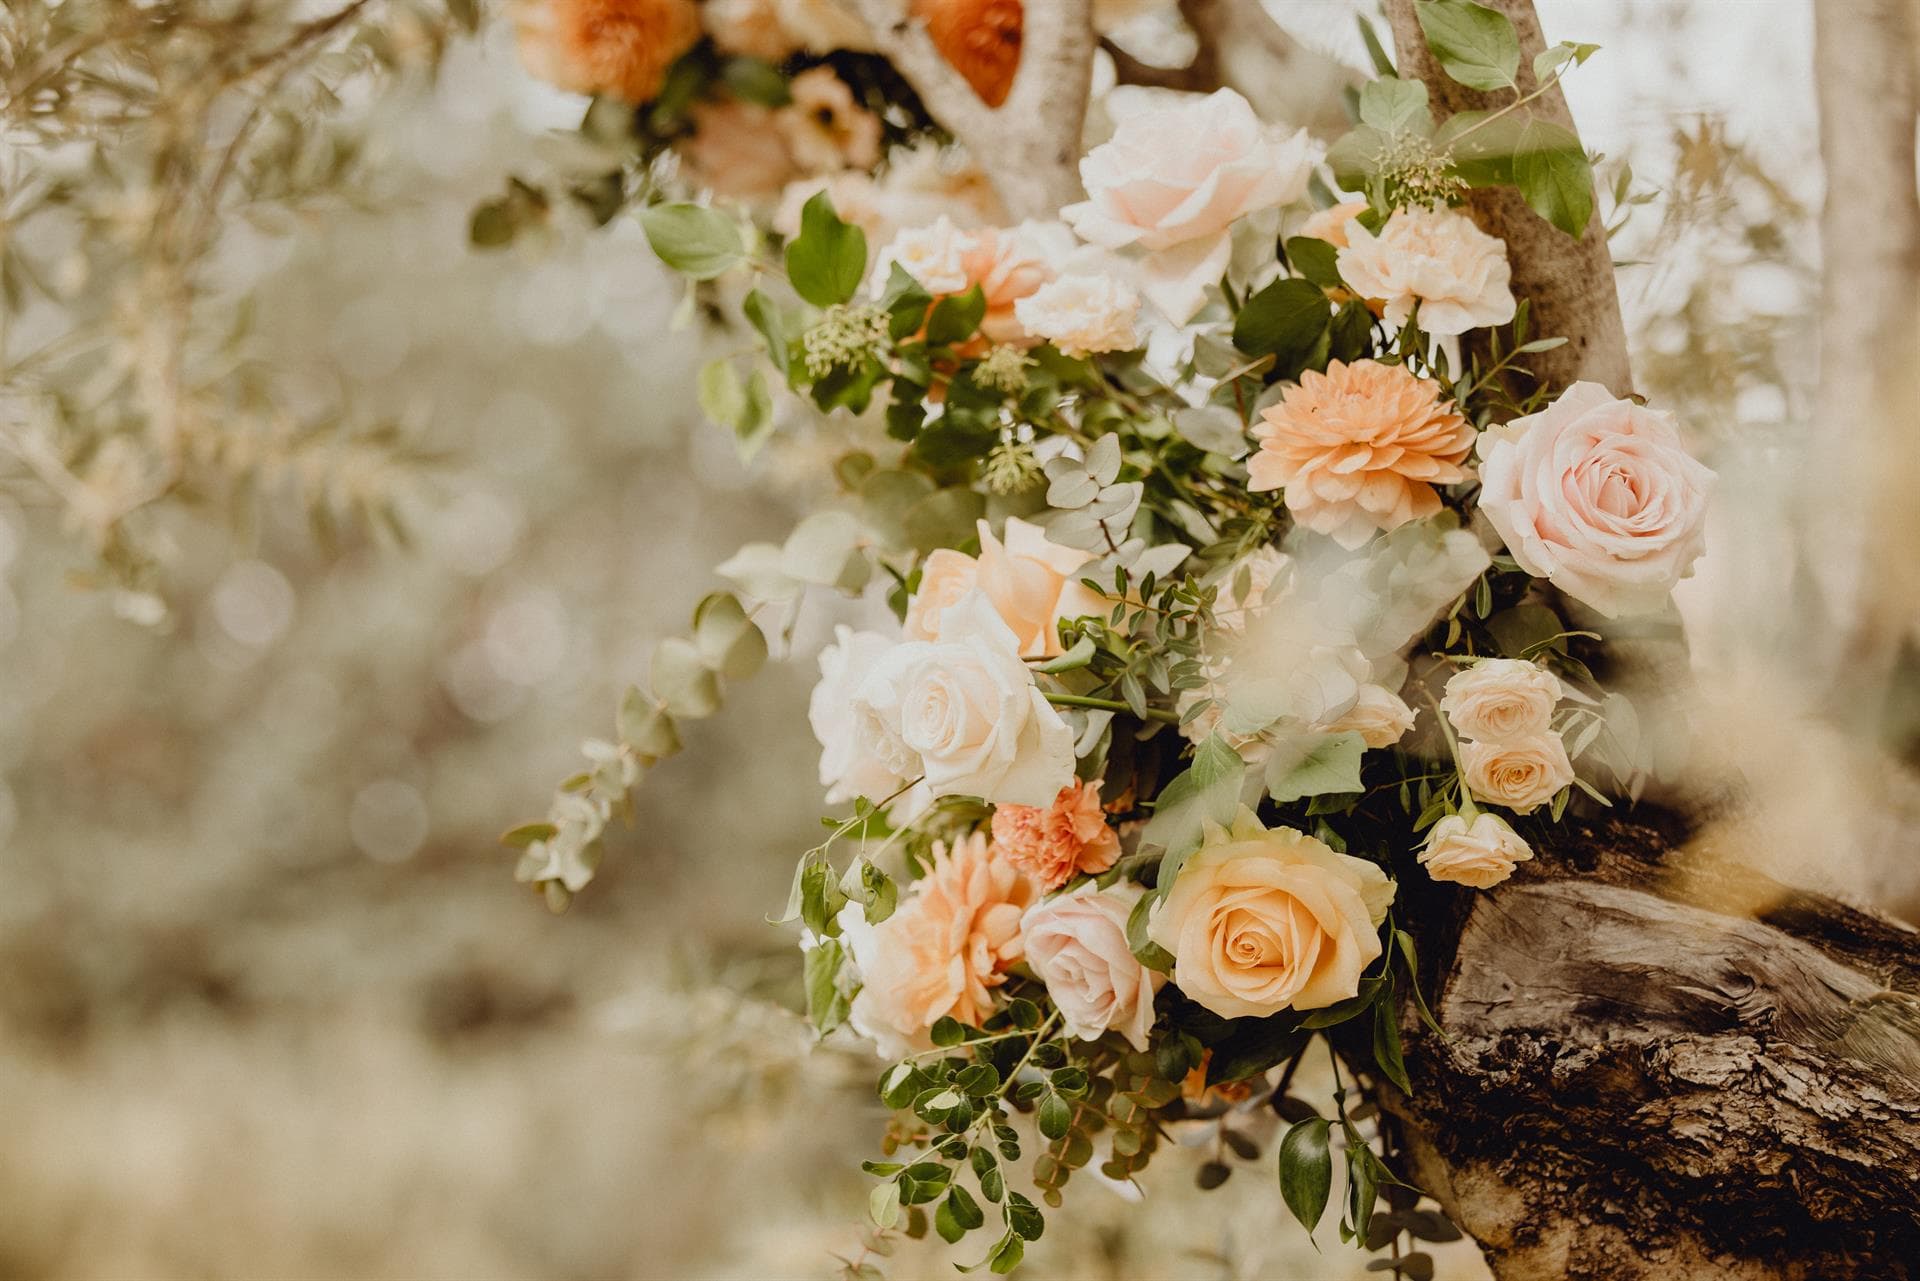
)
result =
(1548, 61)
(1306, 1171)
(1476, 45)
(956, 318)
(1284, 319)
(694, 240)
(827, 260)
(1551, 170)
(1315, 765)
(1392, 105)
(1208, 790)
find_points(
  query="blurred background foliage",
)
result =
(324, 538)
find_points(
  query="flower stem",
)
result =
(1111, 705)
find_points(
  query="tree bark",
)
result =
(1660, 1065)
(1867, 74)
(1657, 1064)
(1569, 283)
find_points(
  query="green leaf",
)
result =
(1314, 259)
(729, 641)
(1548, 61)
(1079, 656)
(528, 834)
(1207, 790)
(1386, 1040)
(1382, 64)
(827, 259)
(646, 727)
(956, 318)
(1405, 942)
(742, 407)
(1475, 45)
(1392, 105)
(1306, 1171)
(945, 518)
(820, 899)
(947, 1031)
(1550, 168)
(1145, 950)
(966, 1211)
(1056, 1116)
(1355, 154)
(756, 81)
(683, 681)
(882, 894)
(693, 239)
(1315, 765)
(826, 1003)
(778, 324)
(883, 1204)
(1284, 319)
(1023, 1217)
(906, 304)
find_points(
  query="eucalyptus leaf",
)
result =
(682, 680)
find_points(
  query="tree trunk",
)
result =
(1867, 72)
(1657, 1064)
(1569, 283)
(1661, 1065)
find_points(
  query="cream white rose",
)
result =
(1481, 853)
(848, 765)
(964, 712)
(1500, 699)
(1380, 716)
(1082, 315)
(1599, 497)
(1174, 179)
(1261, 921)
(1077, 945)
(1436, 257)
(1522, 774)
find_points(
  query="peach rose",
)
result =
(944, 949)
(1031, 583)
(1174, 179)
(619, 48)
(1359, 449)
(1261, 920)
(1500, 699)
(1330, 224)
(1380, 716)
(1522, 774)
(1077, 945)
(824, 127)
(1481, 854)
(1008, 263)
(1599, 497)
(1082, 315)
(1055, 843)
(1436, 257)
(735, 151)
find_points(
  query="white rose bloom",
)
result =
(1481, 854)
(848, 765)
(1500, 699)
(964, 711)
(1174, 179)
(1380, 716)
(1082, 315)
(1522, 774)
(1436, 257)
(934, 255)
(1077, 944)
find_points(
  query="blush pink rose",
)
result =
(1077, 945)
(1480, 854)
(1031, 583)
(1598, 496)
(1520, 773)
(1174, 179)
(1055, 843)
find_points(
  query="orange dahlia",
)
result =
(979, 38)
(618, 48)
(1360, 448)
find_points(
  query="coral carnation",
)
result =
(979, 38)
(1360, 448)
(1056, 843)
(619, 48)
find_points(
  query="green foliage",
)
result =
(828, 259)
(695, 240)
(1306, 1171)
(1475, 45)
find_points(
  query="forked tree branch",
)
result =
(1030, 145)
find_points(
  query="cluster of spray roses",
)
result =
(1234, 569)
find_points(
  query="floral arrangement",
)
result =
(1242, 578)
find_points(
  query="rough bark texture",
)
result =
(1659, 1064)
(1570, 283)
